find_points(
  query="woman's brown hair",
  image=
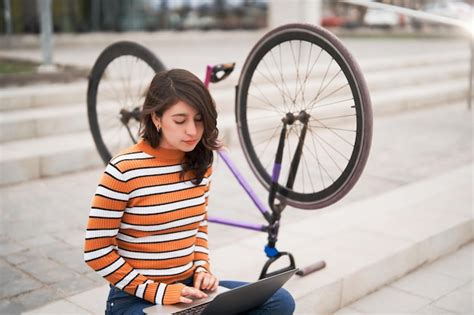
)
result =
(168, 88)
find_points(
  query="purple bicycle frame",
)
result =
(245, 185)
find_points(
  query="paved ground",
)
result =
(43, 221)
(442, 287)
(178, 49)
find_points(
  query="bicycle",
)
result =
(300, 89)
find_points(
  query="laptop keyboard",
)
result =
(198, 309)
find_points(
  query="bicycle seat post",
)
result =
(207, 79)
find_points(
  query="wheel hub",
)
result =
(290, 118)
(126, 115)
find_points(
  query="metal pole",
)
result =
(471, 74)
(46, 38)
(8, 17)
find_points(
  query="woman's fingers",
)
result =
(185, 300)
(215, 285)
(192, 292)
(198, 279)
(206, 281)
(212, 283)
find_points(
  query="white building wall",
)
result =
(290, 11)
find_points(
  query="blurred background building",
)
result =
(139, 15)
(75, 16)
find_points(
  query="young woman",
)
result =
(147, 229)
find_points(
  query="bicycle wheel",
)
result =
(117, 88)
(299, 68)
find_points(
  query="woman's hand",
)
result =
(189, 292)
(205, 281)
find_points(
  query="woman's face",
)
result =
(181, 127)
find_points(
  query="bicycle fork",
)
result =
(272, 253)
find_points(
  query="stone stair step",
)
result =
(47, 94)
(436, 93)
(61, 94)
(425, 59)
(48, 156)
(41, 122)
(53, 155)
(397, 78)
(45, 121)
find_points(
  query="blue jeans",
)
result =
(120, 302)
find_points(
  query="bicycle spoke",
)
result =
(267, 141)
(109, 85)
(297, 66)
(262, 130)
(320, 164)
(265, 109)
(266, 101)
(308, 73)
(333, 92)
(322, 81)
(273, 81)
(329, 155)
(336, 134)
(281, 74)
(333, 117)
(329, 104)
(332, 147)
(317, 159)
(264, 117)
(143, 74)
(123, 81)
(334, 128)
(329, 82)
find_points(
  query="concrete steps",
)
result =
(65, 94)
(366, 244)
(30, 159)
(49, 120)
(42, 122)
(40, 95)
(44, 129)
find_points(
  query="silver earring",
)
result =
(158, 129)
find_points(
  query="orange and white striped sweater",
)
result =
(147, 226)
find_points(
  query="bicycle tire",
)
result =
(129, 96)
(250, 111)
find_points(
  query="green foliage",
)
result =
(10, 67)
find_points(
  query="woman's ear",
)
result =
(156, 120)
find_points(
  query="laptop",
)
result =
(225, 301)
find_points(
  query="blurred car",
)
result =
(194, 21)
(381, 18)
(332, 21)
(454, 9)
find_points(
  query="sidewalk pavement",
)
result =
(178, 49)
(442, 287)
(366, 245)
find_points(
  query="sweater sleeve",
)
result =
(201, 251)
(100, 250)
